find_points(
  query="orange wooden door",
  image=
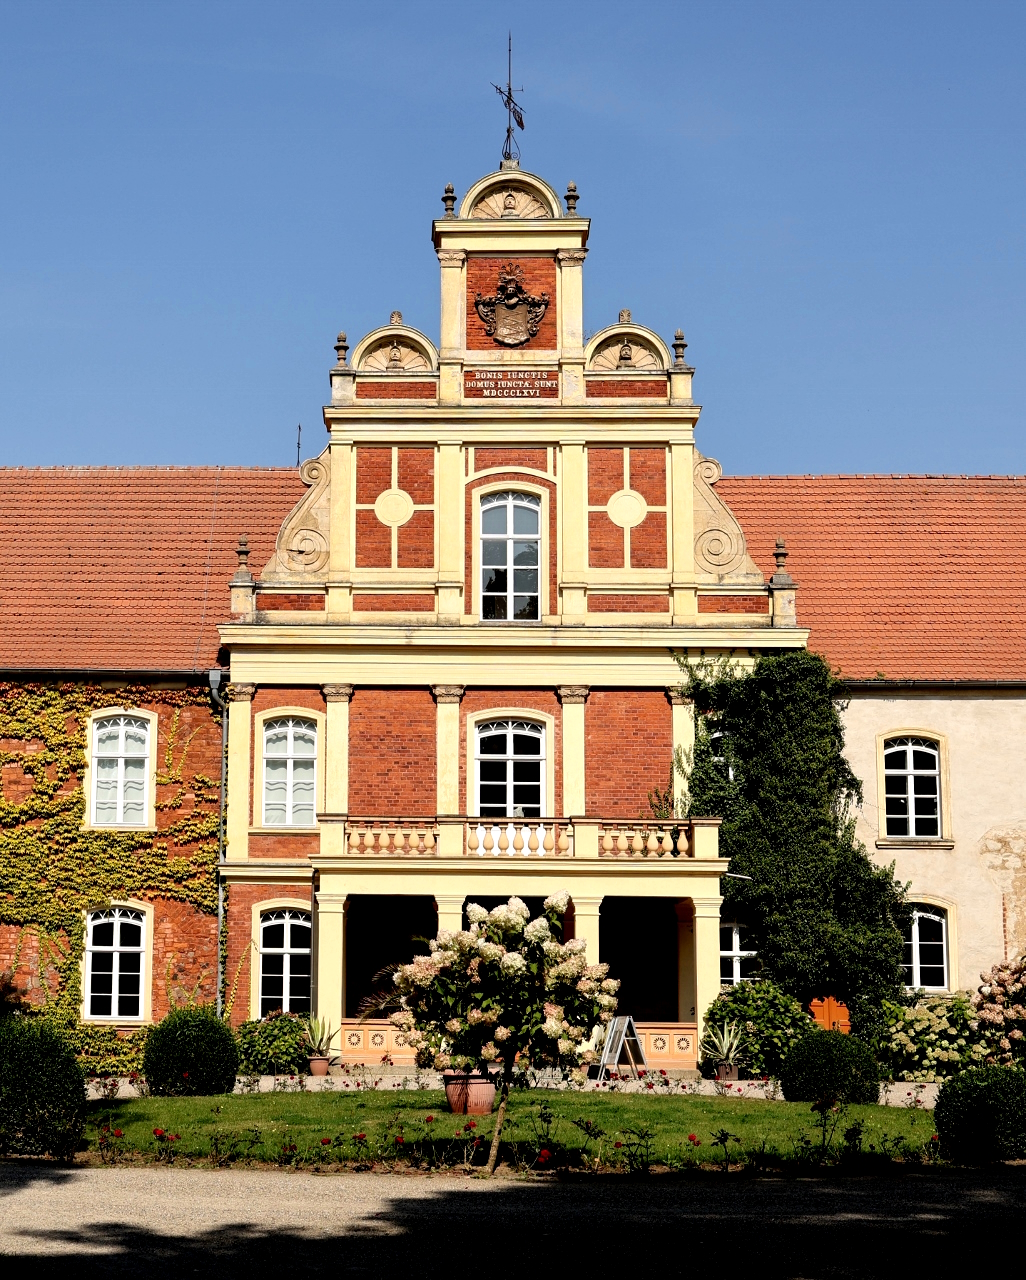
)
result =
(831, 1014)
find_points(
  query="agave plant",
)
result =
(724, 1043)
(319, 1035)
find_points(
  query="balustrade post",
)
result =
(586, 837)
(450, 836)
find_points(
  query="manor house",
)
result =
(448, 653)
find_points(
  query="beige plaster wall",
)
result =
(982, 880)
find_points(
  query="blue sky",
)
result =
(828, 197)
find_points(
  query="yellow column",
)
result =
(682, 514)
(330, 961)
(686, 1007)
(336, 748)
(447, 746)
(571, 314)
(450, 532)
(573, 698)
(339, 602)
(453, 324)
(707, 956)
(573, 524)
(240, 770)
(682, 728)
(450, 911)
(586, 924)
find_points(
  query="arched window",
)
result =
(912, 787)
(926, 948)
(736, 962)
(121, 759)
(510, 761)
(285, 962)
(115, 945)
(290, 760)
(510, 557)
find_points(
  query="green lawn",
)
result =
(330, 1128)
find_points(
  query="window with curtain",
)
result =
(121, 755)
(510, 557)
(912, 787)
(115, 947)
(926, 948)
(290, 763)
(285, 961)
(510, 759)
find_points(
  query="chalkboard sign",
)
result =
(622, 1049)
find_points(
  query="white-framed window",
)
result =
(737, 962)
(718, 746)
(121, 763)
(510, 557)
(115, 952)
(912, 788)
(926, 948)
(510, 761)
(290, 767)
(285, 961)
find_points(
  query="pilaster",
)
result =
(336, 747)
(573, 697)
(240, 770)
(573, 501)
(450, 911)
(682, 729)
(453, 325)
(707, 956)
(339, 590)
(571, 312)
(450, 533)
(330, 960)
(447, 746)
(682, 496)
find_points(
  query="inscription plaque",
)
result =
(511, 384)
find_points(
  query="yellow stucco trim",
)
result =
(914, 842)
(259, 909)
(476, 718)
(133, 904)
(106, 713)
(260, 719)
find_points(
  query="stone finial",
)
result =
(449, 200)
(341, 348)
(571, 199)
(242, 573)
(396, 317)
(679, 347)
(625, 315)
(780, 555)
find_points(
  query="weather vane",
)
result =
(510, 150)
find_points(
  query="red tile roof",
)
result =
(914, 577)
(127, 568)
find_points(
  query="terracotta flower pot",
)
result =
(469, 1093)
(318, 1066)
(727, 1071)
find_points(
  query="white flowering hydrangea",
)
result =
(538, 930)
(557, 902)
(513, 962)
(476, 913)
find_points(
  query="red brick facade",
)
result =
(527, 700)
(364, 603)
(628, 604)
(536, 459)
(539, 276)
(288, 600)
(626, 388)
(733, 604)
(243, 961)
(395, 390)
(392, 749)
(628, 749)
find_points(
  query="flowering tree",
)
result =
(505, 994)
(999, 1012)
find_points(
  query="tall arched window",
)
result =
(510, 557)
(510, 760)
(121, 755)
(926, 948)
(285, 961)
(115, 946)
(290, 760)
(912, 787)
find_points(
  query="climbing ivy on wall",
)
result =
(52, 870)
(769, 759)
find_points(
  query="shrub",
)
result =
(999, 1012)
(274, 1045)
(190, 1052)
(42, 1091)
(830, 1067)
(930, 1038)
(772, 1021)
(981, 1115)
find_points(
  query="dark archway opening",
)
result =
(381, 930)
(638, 940)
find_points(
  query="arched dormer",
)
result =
(395, 348)
(511, 194)
(626, 346)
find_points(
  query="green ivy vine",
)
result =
(53, 870)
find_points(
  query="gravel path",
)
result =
(180, 1222)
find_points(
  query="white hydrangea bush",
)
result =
(930, 1039)
(506, 991)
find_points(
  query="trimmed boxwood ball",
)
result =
(980, 1115)
(42, 1091)
(829, 1066)
(190, 1052)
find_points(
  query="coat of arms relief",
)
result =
(511, 315)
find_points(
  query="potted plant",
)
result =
(724, 1045)
(504, 995)
(318, 1036)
